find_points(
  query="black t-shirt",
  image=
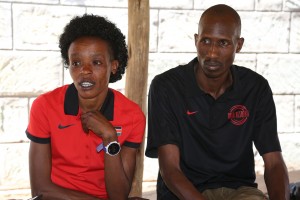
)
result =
(215, 137)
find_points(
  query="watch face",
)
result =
(113, 148)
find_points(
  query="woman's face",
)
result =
(90, 65)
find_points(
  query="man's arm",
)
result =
(40, 176)
(276, 176)
(168, 157)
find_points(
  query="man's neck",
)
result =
(213, 86)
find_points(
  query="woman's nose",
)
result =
(86, 68)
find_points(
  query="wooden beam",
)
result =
(137, 72)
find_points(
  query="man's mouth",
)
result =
(213, 63)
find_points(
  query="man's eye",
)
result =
(205, 41)
(224, 43)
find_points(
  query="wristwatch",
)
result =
(113, 148)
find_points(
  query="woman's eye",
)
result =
(97, 62)
(75, 63)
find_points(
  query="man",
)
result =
(205, 116)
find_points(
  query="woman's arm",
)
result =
(40, 176)
(119, 169)
(119, 172)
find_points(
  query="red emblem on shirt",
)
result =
(238, 115)
(191, 112)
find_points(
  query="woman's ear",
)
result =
(114, 66)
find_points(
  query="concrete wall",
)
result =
(30, 63)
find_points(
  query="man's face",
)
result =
(90, 66)
(217, 42)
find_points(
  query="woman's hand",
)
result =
(96, 122)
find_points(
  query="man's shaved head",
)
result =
(223, 12)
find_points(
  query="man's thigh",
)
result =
(244, 193)
(248, 193)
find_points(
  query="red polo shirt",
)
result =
(55, 119)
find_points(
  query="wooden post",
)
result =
(137, 72)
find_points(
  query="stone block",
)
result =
(119, 16)
(102, 3)
(268, 5)
(295, 33)
(246, 60)
(18, 194)
(236, 4)
(290, 144)
(14, 168)
(285, 113)
(297, 113)
(282, 71)
(171, 4)
(5, 26)
(34, 1)
(176, 30)
(13, 119)
(153, 38)
(38, 27)
(291, 5)
(151, 168)
(265, 31)
(29, 73)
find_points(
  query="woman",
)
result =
(84, 136)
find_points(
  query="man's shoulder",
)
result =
(180, 72)
(247, 74)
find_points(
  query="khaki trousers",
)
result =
(242, 193)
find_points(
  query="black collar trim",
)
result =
(193, 90)
(71, 103)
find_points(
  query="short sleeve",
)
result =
(138, 129)
(38, 129)
(162, 127)
(265, 128)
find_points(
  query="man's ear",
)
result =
(239, 44)
(195, 39)
(114, 66)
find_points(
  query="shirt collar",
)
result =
(71, 104)
(193, 90)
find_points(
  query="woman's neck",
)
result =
(92, 104)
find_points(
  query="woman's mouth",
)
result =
(86, 84)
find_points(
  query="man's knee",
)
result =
(248, 193)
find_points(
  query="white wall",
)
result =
(30, 63)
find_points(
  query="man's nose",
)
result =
(213, 51)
